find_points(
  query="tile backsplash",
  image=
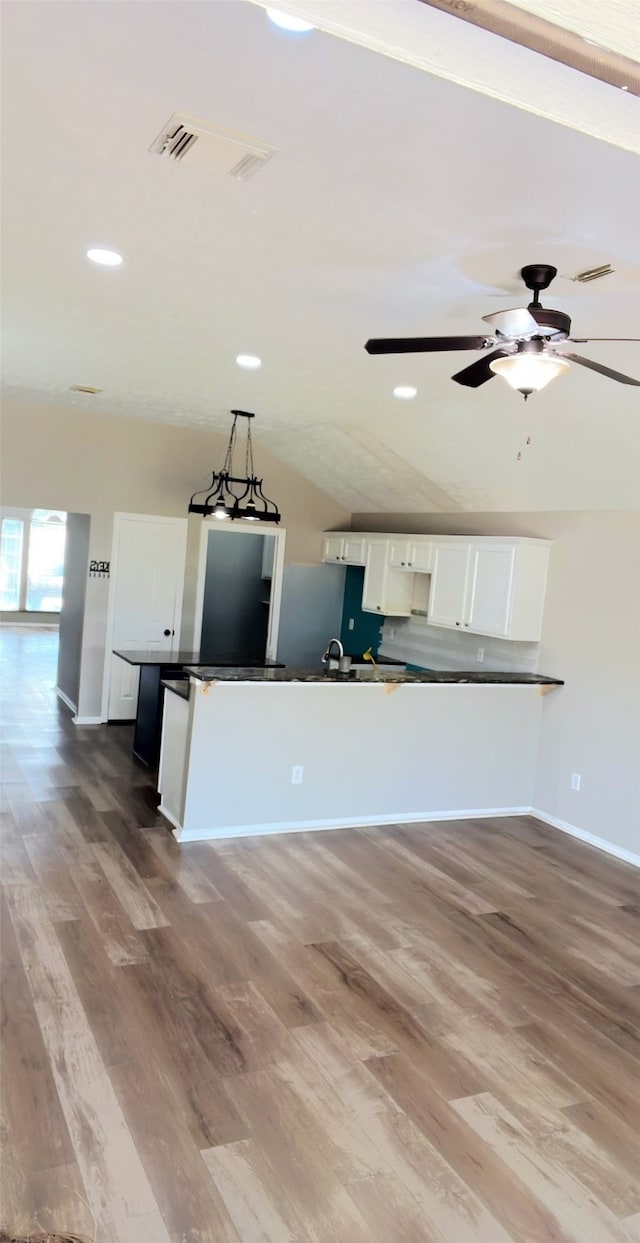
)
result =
(436, 647)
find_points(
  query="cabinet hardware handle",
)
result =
(168, 632)
(402, 563)
(409, 563)
(466, 623)
(457, 623)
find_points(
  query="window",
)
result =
(32, 560)
(11, 562)
(45, 565)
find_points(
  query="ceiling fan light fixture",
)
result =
(288, 21)
(528, 373)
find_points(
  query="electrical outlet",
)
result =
(351, 623)
(297, 773)
(576, 778)
(480, 655)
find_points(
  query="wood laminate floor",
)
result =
(402, 1035)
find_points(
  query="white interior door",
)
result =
(148, 567)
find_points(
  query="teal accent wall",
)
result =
(367, 630)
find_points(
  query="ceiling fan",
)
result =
(523, 343)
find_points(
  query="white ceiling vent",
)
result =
(223, 151)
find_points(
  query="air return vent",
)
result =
(593, 274)
(222, 151)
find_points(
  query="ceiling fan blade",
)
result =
(587, 362)
(424, 345)
(586, 340)
(518, 322)
(479, 372)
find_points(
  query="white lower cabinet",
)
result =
(386, 591)
(174, 750)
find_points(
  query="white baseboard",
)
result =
(176, 824)
(351, 822)
(65, 699)
(600, 843)
(88, 720)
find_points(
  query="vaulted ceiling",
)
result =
(399, 203)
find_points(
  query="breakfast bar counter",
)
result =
(254, 751)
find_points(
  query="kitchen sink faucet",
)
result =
(329, 659)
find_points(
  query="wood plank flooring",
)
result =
(401, 1035)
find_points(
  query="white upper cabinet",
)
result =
(421, 559)
(483, 585)
(448, 596)
(332, 548)
(410, 554)
(386, 591)
(490, 588)
(493, 587)
(354, 551)
(347, 549)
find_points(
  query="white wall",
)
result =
(67, 457)
(591, 638)
(76, 560)
(373, 754)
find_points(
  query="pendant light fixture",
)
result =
(230, 496)
(530, 369)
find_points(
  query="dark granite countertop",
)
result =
(178, 659)
(218, 673)
(358, 658)
(180, 687)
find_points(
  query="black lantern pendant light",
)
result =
(232, 496)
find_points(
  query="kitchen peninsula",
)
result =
(253, 751)
(153, 668)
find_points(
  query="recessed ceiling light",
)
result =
(250, 362)
(286, 21)
(405, 392)
(110, 258)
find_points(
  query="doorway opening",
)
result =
(32, 545)
(238, 593)
(44, 556)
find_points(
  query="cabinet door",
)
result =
(448, 595)
(421, 557)
(354, 550)
(399, 553)
(491, 573)
(333, 548)
(374, 578)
